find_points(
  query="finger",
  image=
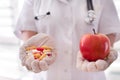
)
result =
(91, 67)
(79, 64)
(112, 56)
(114, 52)
(84, 66)
(80, 61)
(22, 55)
(24, 59)
(35, 66)
(50, 59)
(43, 65)
(28, 62)
(101, 65)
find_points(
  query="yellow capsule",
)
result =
(33, 47)
(36, 55)
(46, 47)
(27, 49)
(42, 56)
(30, 48)
(46, 51)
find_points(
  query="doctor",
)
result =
(66, 21)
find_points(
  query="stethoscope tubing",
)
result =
(90, 5)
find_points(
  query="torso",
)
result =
(66, 24)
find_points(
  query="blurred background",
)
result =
(10, 68)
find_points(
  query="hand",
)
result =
(99, 65)
(27, 57)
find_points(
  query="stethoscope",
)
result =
(90, 15)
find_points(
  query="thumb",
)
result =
(112, 56)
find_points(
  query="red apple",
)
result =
(94, 46)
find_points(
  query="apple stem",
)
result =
(94, 31)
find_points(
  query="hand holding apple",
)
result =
(94, 46)
(98, 65)
(95, 53)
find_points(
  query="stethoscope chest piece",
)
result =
(90, 17)
(91, 13)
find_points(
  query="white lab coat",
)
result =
(66, 23)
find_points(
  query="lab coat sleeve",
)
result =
(25, 20)
(109, 21)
